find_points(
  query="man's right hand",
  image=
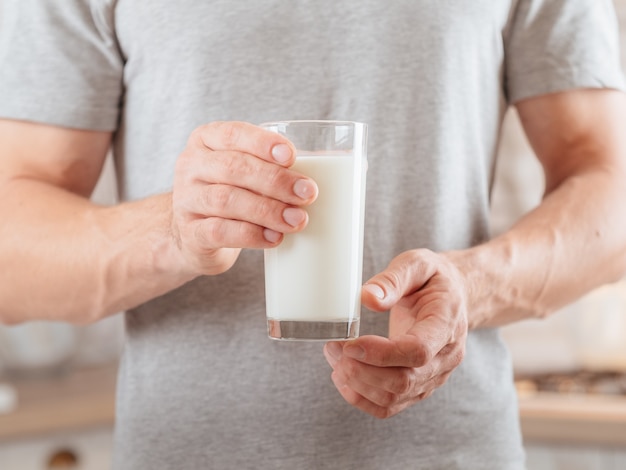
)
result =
(232, 190)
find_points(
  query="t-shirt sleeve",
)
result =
(60, 63)
(556, 45)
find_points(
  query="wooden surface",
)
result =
(85, 398)
(573, 419)
(74, 400)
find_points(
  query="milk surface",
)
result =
(315, 275)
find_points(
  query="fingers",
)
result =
(241, 218)
(385, 391)
(406, 273)
(242, 170)
(214, 232)
(367, 401)
(402, 351)
(246, 138)
(227, 202)
(426, 296)
(233, 189)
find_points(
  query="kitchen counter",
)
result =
(85, 398)
(573, 418)
(78, 399)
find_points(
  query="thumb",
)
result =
(405, 274)
(374, 297)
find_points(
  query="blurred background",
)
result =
(57, 381)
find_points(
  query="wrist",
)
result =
(469, 262)
(142, 259)
(493, 298)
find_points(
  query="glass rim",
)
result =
(321, 122)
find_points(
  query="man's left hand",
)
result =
(427, 296)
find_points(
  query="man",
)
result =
(176, 91)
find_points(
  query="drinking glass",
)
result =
(313, 278)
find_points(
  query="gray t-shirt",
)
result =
(201, 385)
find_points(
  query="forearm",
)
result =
(574, 241)
(65, 258)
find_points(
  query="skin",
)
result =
(233, 189)
(572, 242)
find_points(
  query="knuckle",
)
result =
(419, 254)
(248, 234)
(426, 395)
(230, 132)
(275, 176)
(265, 209)
(392, 279)
(212, 232)
(221, 165)
(384, 413)
(428, 355)
(421, 355)
(388, 399)
(418, 354)
(432, 346)
(235, 168)
(350, 370)
(457, 356)
(242, 167)
(353, 399)
(197, 134)
(440, 381)
(199, 137)
(183, 166)
(219, 197)
(402, 383)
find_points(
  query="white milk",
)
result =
(315, 275)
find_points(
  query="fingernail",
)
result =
(304, 189)
(334, 350)
(355, 352)
(375, 290)
(293, 216)
(281, 153)
(271, 236)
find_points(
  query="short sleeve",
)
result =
(60, 63)
(556, 45)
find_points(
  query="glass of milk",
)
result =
(313, 278)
